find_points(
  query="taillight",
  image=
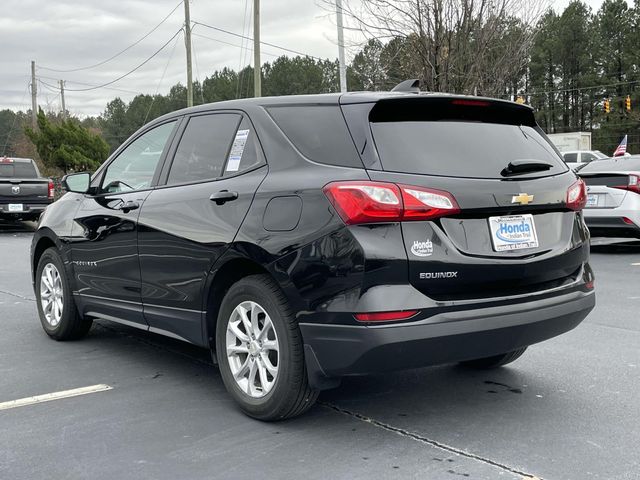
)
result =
(385, 316)
(51, 190)
(633, 184)
(577, 196)
(365, 202)
(374, 202)
(427, 204)
(470, 102)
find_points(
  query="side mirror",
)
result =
(77, 182)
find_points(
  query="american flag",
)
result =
(622, 148)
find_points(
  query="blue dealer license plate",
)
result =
(513, 232)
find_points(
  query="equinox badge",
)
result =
(522, 199)
(433, 275)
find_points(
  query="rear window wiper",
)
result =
(519, 167)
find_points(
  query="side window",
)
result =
(319, 132)
(245, 150)
(134, 167)
(203, 148)
(571, 157)
(587, 157)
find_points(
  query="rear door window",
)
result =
(570, 157)
(460, 148)
(245, 152)
(204, 147)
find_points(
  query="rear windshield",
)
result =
(460, 148)
(619, 164)
(18, 170)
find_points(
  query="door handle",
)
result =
(126, 207)
(223, 196)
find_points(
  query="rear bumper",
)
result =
(29, 210)
(333, 351)
(613, 226)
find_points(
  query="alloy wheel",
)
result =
(252, 349)
(51, 294)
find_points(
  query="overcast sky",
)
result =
(70, 34)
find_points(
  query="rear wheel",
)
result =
(57, 310)
(260, 351)
(495, 361)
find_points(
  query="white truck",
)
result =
(572, 141)
(576, 148)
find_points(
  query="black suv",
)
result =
(306, 238)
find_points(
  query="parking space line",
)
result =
(48, 397)
(434, 443)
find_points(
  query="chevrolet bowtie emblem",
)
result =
(522, 199)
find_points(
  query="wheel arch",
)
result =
(43, 240)
(220, 280)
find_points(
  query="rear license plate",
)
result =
(592, 200)
(513, 232)
(16, 207)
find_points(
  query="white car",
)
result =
(574, 158)
(613, 197)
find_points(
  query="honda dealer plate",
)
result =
(513, 232)
(16, 207)
(592, 200)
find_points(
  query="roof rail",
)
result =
(410, 86)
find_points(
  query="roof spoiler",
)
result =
(409, 86)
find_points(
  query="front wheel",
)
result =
(260, 351)
(495, 361)
(57, 310)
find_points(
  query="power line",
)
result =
(13, 124)
(577, 89)
(242, 61)
(48, 86)
(263, 43)
(90, 85)
(130, 71)
(195, 58)
(120, 52)
(164, 72)
(231, 44)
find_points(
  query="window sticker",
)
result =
(235, 155)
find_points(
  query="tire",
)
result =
(267, 393)
(67, 324)
(495, 361)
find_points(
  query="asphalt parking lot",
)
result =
(568, 409)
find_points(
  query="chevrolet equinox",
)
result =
(306, 238)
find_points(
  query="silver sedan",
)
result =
(613, 197)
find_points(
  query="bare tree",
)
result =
(459, 46)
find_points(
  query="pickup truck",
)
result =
(24, 194)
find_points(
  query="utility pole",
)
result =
(64, 108)
(187, 41)
(34, 96)
(257, 65)
(343, 68)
